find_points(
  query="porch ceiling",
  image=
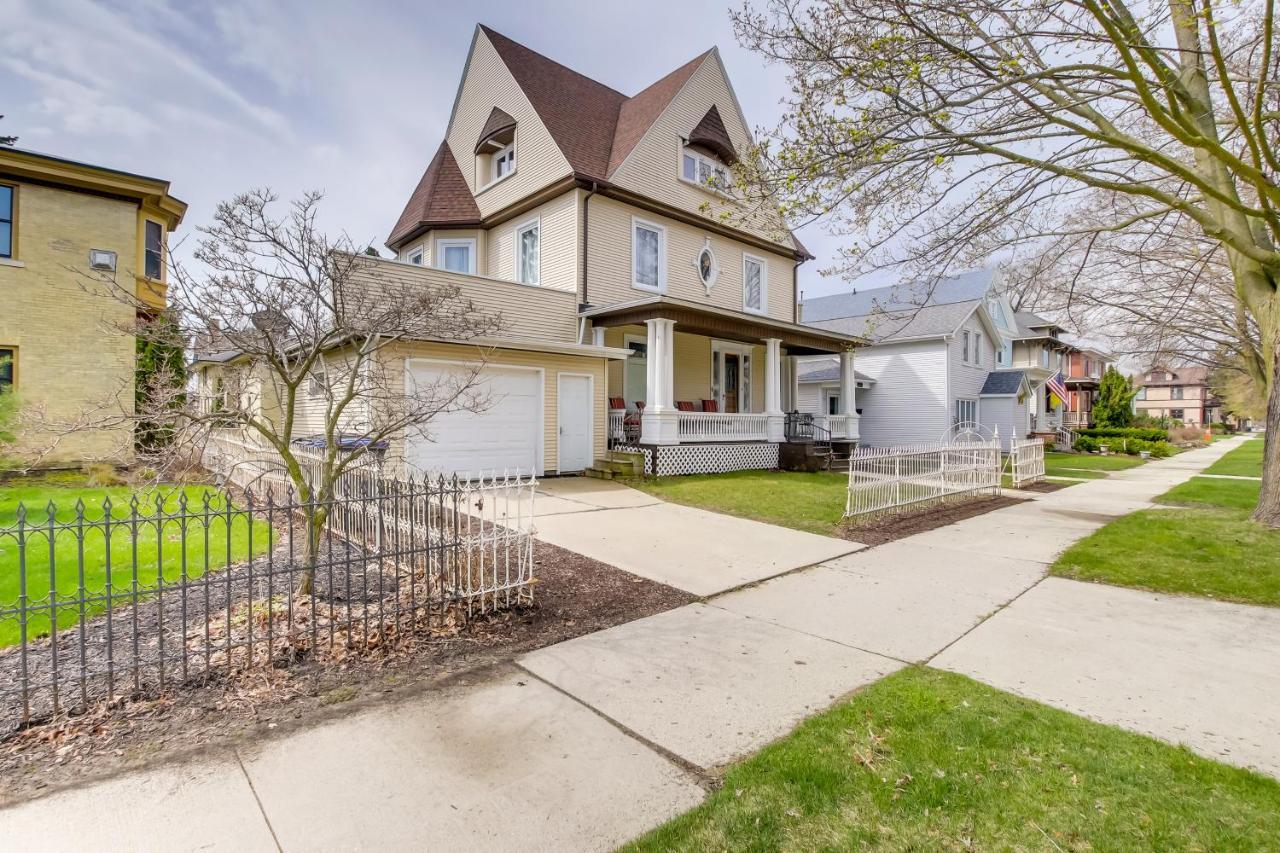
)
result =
(723, 324)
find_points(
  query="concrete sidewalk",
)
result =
(592, 741)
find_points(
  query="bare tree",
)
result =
(938, 133)
(303, 327)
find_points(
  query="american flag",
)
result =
(1057, 387)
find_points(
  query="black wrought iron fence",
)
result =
(115, 598)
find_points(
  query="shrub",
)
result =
(1114, 405)
(1142, 433)
(1186, 433)
(1085, 444)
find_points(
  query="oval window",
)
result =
(707, 267)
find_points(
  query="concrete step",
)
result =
(599, 473)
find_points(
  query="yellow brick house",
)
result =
(73, 237)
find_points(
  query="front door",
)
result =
(732, 381)
(575, 422)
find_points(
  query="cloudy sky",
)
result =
(350, 98)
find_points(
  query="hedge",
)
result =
(1131, 446)
(1141, 433)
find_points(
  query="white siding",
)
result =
(966, 380)
(1007, 414)
(908, 402)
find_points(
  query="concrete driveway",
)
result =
(691, 549)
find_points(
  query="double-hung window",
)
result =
(154, 250)
(6, 221)
(457, 255)
(966, 411)
(755, 284)
(977, 348)
(964, 352)
(1176, 392)
(527, 252)
(415, 256)
(648, 256)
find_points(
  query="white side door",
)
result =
(575, 422)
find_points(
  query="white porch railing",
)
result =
(722, 426)
(1026, 461)
(617, 431)
(835, 425)
(886, 478)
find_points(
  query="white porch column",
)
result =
(773, 389)
(597, 336)
(792, 401)
(660, 424)
(849, 395)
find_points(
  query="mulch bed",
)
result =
(574, 595)
(888, 528)
(1043, 486)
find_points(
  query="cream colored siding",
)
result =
(488, 84)
(525, 311)
(557, 244)
(551, 364)
(609, 262)
(653, 166)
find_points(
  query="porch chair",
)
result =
(710, 406)
(685, 406)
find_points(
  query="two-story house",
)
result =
(941, 354)
(1177, 394)
(1083, 375)
(1040, 351)
(82, 251)
(642, 302)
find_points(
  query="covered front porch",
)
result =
(704, 375)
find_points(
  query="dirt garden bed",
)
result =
(888, 528)
(574, 595)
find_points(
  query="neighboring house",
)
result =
(1178, 394)
(634, 311)
(1041, 353)
(76, 242)
(938, 358)
(1084, 370)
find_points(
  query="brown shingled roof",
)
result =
(638, 113)
(710, 133)
(442, 197)
(579, 112)
(498, 123)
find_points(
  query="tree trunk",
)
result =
(315, 519)
(1268, 510)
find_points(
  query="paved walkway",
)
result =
(589, 742)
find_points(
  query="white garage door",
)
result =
(507, 435)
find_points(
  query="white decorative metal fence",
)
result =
(884, 479)
(1026, 461)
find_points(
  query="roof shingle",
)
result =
(442, 197)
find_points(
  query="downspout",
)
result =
(584, 303)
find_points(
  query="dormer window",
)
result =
(496, 149)
(704, 170)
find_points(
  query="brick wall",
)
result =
(72, 356)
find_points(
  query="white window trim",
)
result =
(420, 249)
(717, 381)
(443, 243)
(490, 180)
(637, 222)
(536, 222)
(698, 157)
(965, 337)
(977, 349)
(764, 284)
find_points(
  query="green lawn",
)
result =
(159, 545)
(1210, 548)
(1244, 461)
(1071, 464)
(927, 760)
(812, 502)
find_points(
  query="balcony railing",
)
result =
(721, 426)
